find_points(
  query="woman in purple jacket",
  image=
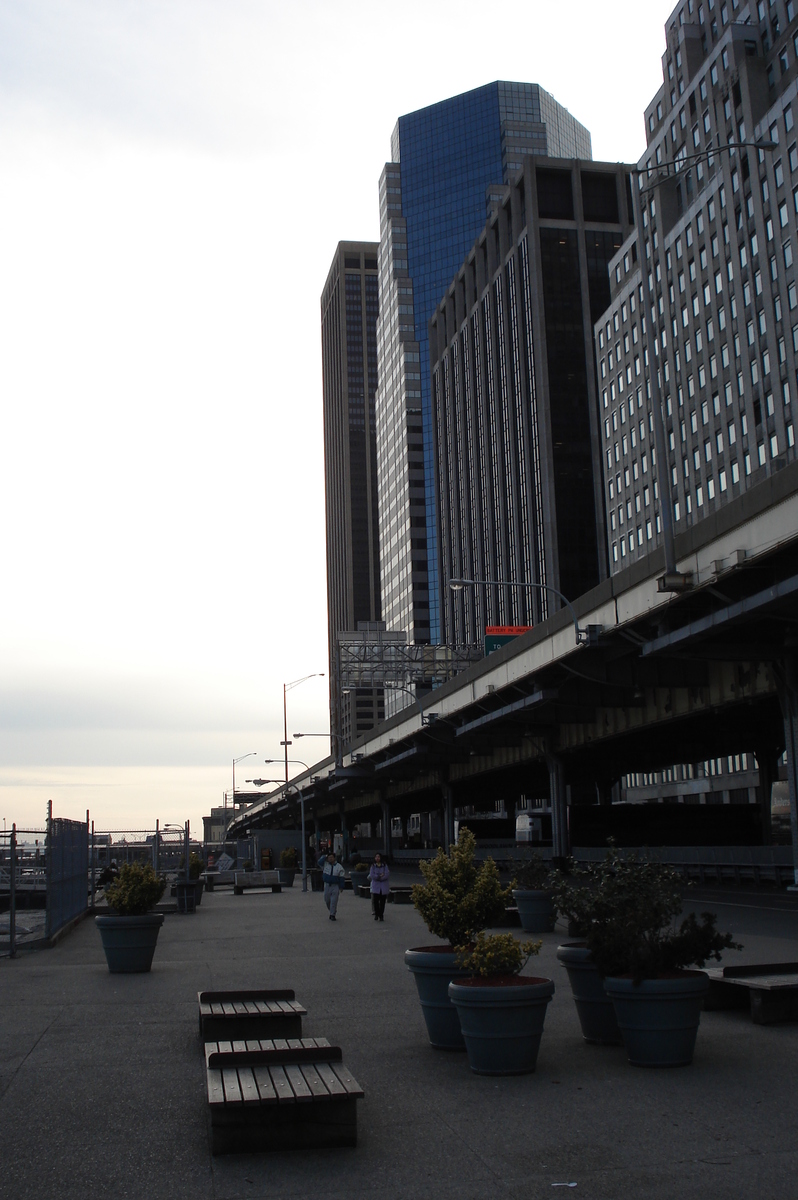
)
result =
(378, 874)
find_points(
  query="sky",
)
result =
(175, 177)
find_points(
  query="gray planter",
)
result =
(658, 1018)
(536, 910)
(286, 876)
(433, 969)
(594, 1007)
(186, 893)
(129, 942)
(502, 1023)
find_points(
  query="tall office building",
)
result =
(349, 365)
(714, 259)
(432, 207)
(514, 397)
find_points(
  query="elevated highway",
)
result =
(682, 676)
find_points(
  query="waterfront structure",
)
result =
(699, 345)
(514, 398)
(349, 304)
(433, 197)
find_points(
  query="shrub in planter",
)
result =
(644, 958)
(574, 898)
(129, 935)
(532, 892)
(135, 891)
(501, 1011)
(458, 901)
(288, 858)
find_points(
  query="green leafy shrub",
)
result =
(574, 895)
(288, 857)
(361, 867)
(195, 865)
(459, 899)
(496, 954)
(534, 874)
(136, 890)
(629, 920)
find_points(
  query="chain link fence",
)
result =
(50, 876)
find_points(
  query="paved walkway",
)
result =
(102, 1086)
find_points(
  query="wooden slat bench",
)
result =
(250, 1014)
(255, 879)
(293, 1094)
(769, 989)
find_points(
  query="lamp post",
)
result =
(236, 760)
(584, 637)
(302, 811)
(286, 689)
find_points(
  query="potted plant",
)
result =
(648, 965)
(532, 892)
(130, 933)
(574, 898)
(286, 871)
(501, 1011)
(457, 902)
(359, 875)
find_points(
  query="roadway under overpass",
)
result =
(671, 677)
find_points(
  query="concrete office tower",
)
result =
(718, 239)
(349, 366)
(432, 207)
(514, 397)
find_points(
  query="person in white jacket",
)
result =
(333, 879)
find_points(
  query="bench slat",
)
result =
(250, 1006)
(253, 1046)
(240, 1007)
(330, 1079)
(215, 1088)
(280, 1044)
(249, 1089)
(295, 1044)
(228, 1009)
(217, 1010)
(298, 1084)
(352, 1086)
(313, 1080)
(232, 1091)
(225, 1047)
(286, 1006)
(282, 1087)
(239, 1047)
(212, 997)
(265, 1086)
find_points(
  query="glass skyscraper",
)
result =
(434, 198)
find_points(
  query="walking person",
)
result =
(378, 874)
(333, 879)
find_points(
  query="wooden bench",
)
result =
(255, 879)
(769, 989)
(250, 1014)
(215, 879)
(293, 1094)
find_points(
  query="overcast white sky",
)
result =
(175, 177)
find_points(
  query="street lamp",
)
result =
(236, 760)
(286, 689)
(301, 808)
(584, 637)
(299, 735)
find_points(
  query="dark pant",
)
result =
(378, 904)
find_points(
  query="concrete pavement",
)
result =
(102, 1085)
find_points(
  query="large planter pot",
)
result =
(658, 1018)
(286, 876)
(502, 1021)
(594, 1007)
(199, 888)
(316, 881)
(129, 942)
(536, 910)
(186, 894)
(433, 968)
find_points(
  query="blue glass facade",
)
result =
(450, 153)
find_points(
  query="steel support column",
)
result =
(560, 847)
(788, 698)
(447, 815)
